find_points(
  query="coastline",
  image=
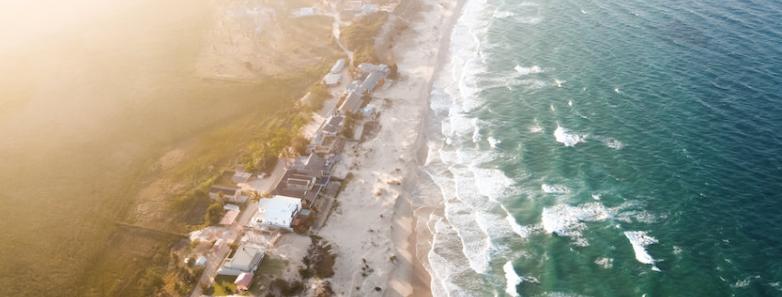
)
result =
(380, 229)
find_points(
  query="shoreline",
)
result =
(380, 229)
(422, 236)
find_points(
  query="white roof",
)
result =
(245, 259)
(331, 79)
(201, 261)
(304, 11)
(278, 211)
(338, 66)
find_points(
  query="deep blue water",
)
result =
(607, 117)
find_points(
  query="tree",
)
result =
(299, 144)
(214, 213)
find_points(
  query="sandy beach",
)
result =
(375, 230)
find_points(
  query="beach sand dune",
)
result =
(374, 229)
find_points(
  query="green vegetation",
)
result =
(359, 37)
(286, 288)
(319, 93)
(214, 213)
(150, 281)
(299, 145)
(319, 261)
(224, 285)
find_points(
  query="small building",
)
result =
(278, 211)
(332, 79)
(305, 11)
(245, 259)
(338, 66)
(200, 261)
(367, 68)
(327, 145)
(312, 165)
(352, 102)
(244, 281)
(333, 125)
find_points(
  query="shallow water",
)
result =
(610, 149)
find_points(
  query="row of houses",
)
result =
(305, 181)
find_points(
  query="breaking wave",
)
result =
(570, 221)
(640, 240)
(564, 136)
(511, 279)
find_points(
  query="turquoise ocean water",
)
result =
(609, 148)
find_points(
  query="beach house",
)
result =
(245, 259)
(277, 212)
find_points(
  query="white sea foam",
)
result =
(605, 263)
(511, 279)
(493, 142)
(520, 230)
(554, 189)
(677, 250)
(532, 84)
(535, 128)
(492, 183)
(776, 285)
(613, 143)
(596, 196)
(476, 131)
(564, 136)
(530, 20)
(503, 14)
(743, 283)
(569, 221)
(640, 240)
(534, 69)
(559, 83)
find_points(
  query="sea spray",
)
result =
(511, 279)
(639, 240)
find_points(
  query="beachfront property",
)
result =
(245, 259)
(277, 212)
(327, 145)
(375, 76)
(334, 77)
(333, 125)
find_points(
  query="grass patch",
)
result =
(224, 285)
(359, 37)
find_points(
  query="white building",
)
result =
(304, 11)
(332, 80)
(246, 258)
(277, 212)
(338, 66)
